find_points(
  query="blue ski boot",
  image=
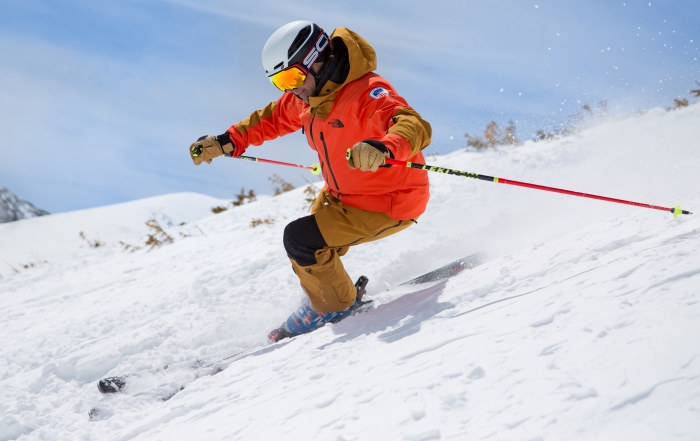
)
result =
(306, 319)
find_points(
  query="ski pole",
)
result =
(314, 168)
(448, 171)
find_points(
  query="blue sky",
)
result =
(100, 100)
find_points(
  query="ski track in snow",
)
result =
(584, 323)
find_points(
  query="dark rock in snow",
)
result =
(12, 209)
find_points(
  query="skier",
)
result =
(354, 119)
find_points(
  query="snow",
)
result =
(583, 324)
(57, 237)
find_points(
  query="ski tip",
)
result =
(449, 270)
(111, 385)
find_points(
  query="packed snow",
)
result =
(584, 322)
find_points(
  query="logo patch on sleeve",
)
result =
(378, 92)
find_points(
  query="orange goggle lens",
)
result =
(288, 79)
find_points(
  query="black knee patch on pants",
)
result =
(302, 238)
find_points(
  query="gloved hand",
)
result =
(209, 147)
(368, 155)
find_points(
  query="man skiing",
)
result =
(354, 119)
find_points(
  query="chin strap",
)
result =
(327, 62)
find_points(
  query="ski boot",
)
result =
(305, 319)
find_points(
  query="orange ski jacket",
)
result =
(364, 107)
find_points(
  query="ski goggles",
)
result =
(290, 78)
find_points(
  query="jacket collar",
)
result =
(362, 60)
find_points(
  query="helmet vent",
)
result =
(299, 41)
(279, 65)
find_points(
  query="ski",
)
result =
(190, 369)
(449, 270)
(163, 383)
(442, 273)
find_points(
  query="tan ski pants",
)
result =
(315, 243)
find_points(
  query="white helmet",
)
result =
(299, 43)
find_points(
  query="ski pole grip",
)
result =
(348, 155)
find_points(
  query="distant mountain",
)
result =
(12, 209)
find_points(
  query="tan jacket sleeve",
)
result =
(409, 124)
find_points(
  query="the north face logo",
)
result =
(336, 124)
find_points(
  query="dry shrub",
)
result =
(129, 247)
(242, 197)
(280, 185)
(267, 221)
(683, 102)
(37, 261)
(310, 194)
(541, 135)
(190, 235)
(696, 92)
(574, 123)
(678, 103)
(95, 243)
(158, 237)
(493, 136)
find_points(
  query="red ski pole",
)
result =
(448, 171)
(314, 168)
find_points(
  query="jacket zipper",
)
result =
(311, 135)
(328, 161)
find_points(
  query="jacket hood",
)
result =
(362, 57)
(362, 60)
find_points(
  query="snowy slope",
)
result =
(57, 236)
(584, 323)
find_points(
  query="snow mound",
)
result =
(56, 237)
